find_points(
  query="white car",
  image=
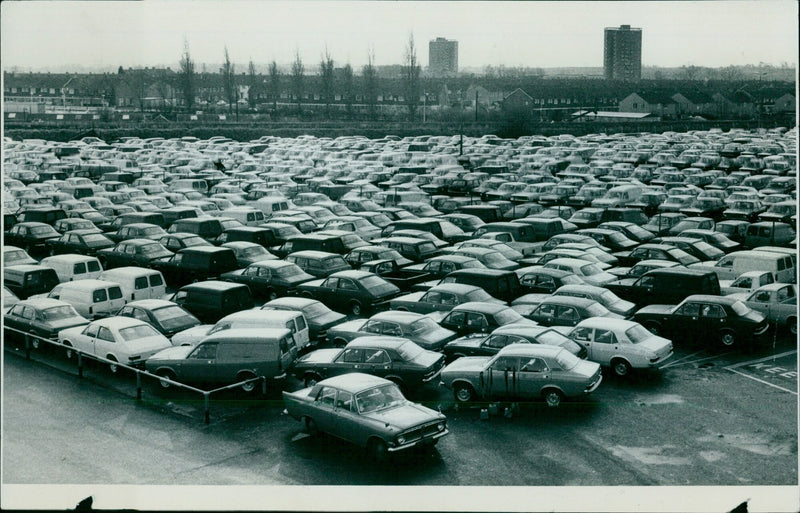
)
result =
(587, 271)
(120, 339)
(620, 344)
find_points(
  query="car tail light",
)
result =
(91, 310)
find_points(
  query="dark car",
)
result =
(418, 328)
(441, 298)
(320, 318)
(42, 317)
(212, 300)
(206, 227)
(25, 280)
(441, 266)
(481, 317)
(716, 239)
(318, 263)
(313, 242)
(564, 311)
(655, 252)
(589, 217)
(165, 316)
(545, 280)
(613, 240)
(269, 278)
(80, 242)
(31, 236)
(633, 231)
(503, 285)
(41, 215)
(196, 264)
(181, 240)
(355, 292)
(483, 345)
(417, 250)
(365, 254)
(744, 210)
(137, 231)
(705, 319)
(697, 248)
(257, 234)
(668, 285)
(706, 207)
(136, 252)
(394, 358)
(75, 223)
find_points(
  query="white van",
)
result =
(137, 282)
(268, 205)
(732, 265)
(619, 196)
(90, 298)
(255, 318)
(248, 216)
(74, 267)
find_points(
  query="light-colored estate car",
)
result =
(366, 410)
(522, 372)
(120, 339)
(620, 344)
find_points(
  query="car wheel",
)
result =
(272, 295)
(113, 367)
(552, 397)
(355, 308)
(727, 338)
(378, 449)
(310, 426)
(166, 374)
(247, 387)
(35, 342)
(312, 379)
(621, 367)
(68, 352)
(653, 327)
(792, 322)
(463, 393)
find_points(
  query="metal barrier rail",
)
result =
(28, 337)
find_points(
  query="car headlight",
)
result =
(440, 426)
(401, 440)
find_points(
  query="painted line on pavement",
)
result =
(761, 381)
(773, 357)
(674, 364)
(683, 358)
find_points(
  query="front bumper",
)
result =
(429, 440)
(591, 388)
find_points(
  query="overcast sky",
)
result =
(533, 34)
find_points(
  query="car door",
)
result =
(502, 378)
(327, 292)
(349, 360)
(712, 319)
(533, 375)
(584, 336)
(20, 318)
(685, 322)
(477, 323)
(344, 420)
(376, 362)
(323, 410)
(455, 321)
(544, 314)
(105, 345)
(604, 346)
(567, 316)
(490, 346)
(347, 290)
(199, 365)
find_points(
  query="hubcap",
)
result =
(553, 399)
(464, 394)
(727, 339)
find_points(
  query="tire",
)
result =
(68, 352)
(620, 367)
(166, 374)
(355, 308)
(727, 338)
(552, 397)
(247, 388)
(463, 393)
(792, 323)
(113, 367)
(310, 426)
(272, 295)
(311, 379)
(35, 344)
(378, 450)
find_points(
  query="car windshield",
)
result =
(153, 231)
(608, 298)
(507, 316)
(590, 270)
(638, 333)
(740, 308)
(315, 310)
(10, 256)
(376, 285)
(254, 251)
(42, 230)
(95, 239)
(137, 332)
(570, 279)
(288, 271)
(479, 295)
(194, 241)
(389, 254)
(172, 317)
(409, 351)
(422, 326)
(552, 337)
(334, 263)
(153, 249)
(567, 360)
(426, 247)
(597, 310)
(380, 398)
(58, 313)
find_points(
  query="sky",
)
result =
(97, 34)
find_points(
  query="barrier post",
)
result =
(80, 364)
(264, 385)
(27, 347)
(207, 412)
(138, 385)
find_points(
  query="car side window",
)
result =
(327, 396)
(375, 356)
(105, 334)
(505, 363)
(205, 352)
(141, 315)
(546, 310)
(347, 284)
(392, 329)
(456, 318)
(140, 283)
(605, 337)
(330, 283)
(448, 267)
(712, 311)
(690, 310)
(646, 282)
(432, 297)
(476, 320)
(265, 272)
(534, 365)
(583, 334)
(497, 341)
(373, 327)
(251, 271)
(785, 293)
(28, 313)
(91, 330)
(130, 250)
(353, 355)
(546, 282)
(17, 310)
(344, 400)
(568, 313)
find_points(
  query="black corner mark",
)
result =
(85, 504)
(741, 508)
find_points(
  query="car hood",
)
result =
(586, 368)
(70, 322)
(740, 296)
(70, 332)
(171, 353)
(414, 297)
(191, 336)
(314, 283)
(348, 326)
(468, 363)
(319, 356)
(404, 417)
(656, 344)
(437, 335)
(328, 320)
(470, 341)
(428, 358)
(622, 307)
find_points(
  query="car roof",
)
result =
(455, 288)
(86, 284)
(378, 341)
(725, 300)
(607, 323)
(69, 257)
(248, 333)
(204, 249)
(119, 322)
(213, 285)
(272, 264)
(354, 382)
(43, 302)
(405, 240)
(150, 304)
(356, 275)
(530, 350)
(127, 271)
(580, 302)
(479, 271)
(295, 302)
(312, 253)
(480, 306)
(397, 316)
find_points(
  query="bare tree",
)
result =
(138, 81)
(730, 73)
(298, 79)
(253, 83)
(229, 81)
(347, 88)
(690, 72)
(274, 84)
(411, 72)
(370, 77)
(186, 77)
(326, 73)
